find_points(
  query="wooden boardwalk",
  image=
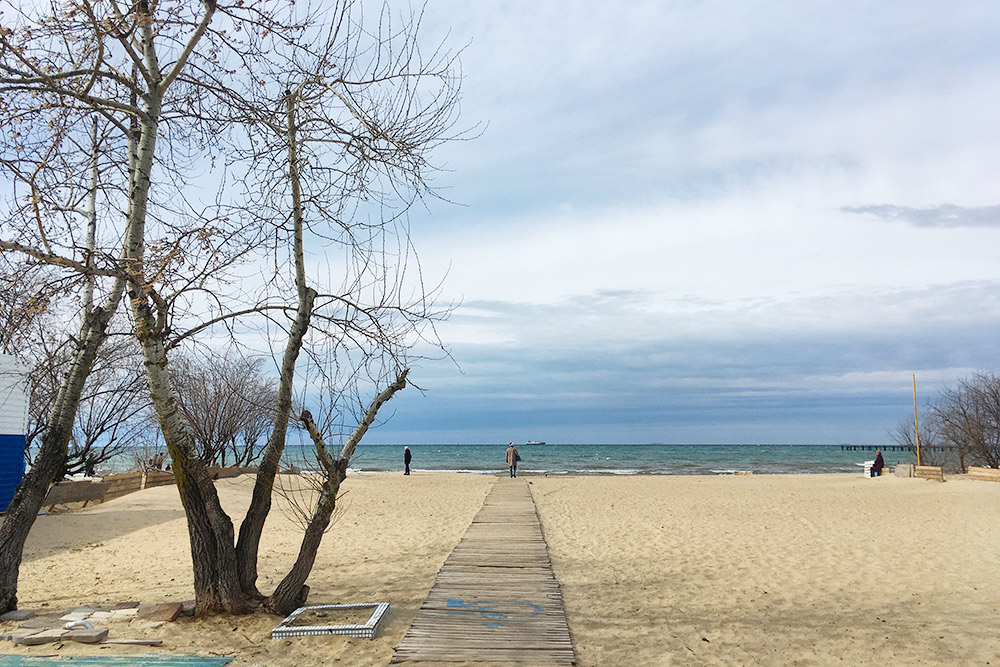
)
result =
(495, 600)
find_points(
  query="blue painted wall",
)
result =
(11, 466)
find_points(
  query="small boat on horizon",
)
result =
(535, 442)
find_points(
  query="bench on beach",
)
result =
(929, 472)
(984, 474)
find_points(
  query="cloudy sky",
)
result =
(696, 221)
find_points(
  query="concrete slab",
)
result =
(82, 609)
(85, 636)
(19, 615)
(124, 613)
(43, 637)
(166, 611)
(76, 616)
(125, 605)
(41, 623)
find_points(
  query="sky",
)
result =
(697, 221)
(710, 222)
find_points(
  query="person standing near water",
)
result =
(512, 459)
(406, 459)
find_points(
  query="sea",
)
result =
(611, 459)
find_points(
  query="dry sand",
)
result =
(776, 569)
(782, 569)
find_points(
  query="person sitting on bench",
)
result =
(879, 464)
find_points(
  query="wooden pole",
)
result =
(916, 424)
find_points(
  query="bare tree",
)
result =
(227, 404)
(113, 408)
(931, 452)
(75, 103)
(36, 137)
(329, 121)
(969, 415)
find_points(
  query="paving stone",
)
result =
(82, 609)
(125, 605)
(19, 615)
(43, 637)
(40, 623)
(76, 616)
(166, 611)
(124, 613)
(85, 636)
(100, 616)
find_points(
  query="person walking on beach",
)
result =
(512, 458)
(406, 459)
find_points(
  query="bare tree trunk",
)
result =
(210, 530)
(252, 527)
(292, 592)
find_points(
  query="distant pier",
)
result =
(893, 448)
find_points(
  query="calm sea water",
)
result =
(614, 459)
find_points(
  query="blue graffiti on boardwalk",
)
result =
(488, 609)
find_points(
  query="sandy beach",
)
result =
(655, 570)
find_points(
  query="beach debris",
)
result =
(35, 628)
(134, 642)
(291, 628)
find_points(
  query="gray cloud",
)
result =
(945, 215)
(831, 383)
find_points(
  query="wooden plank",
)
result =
(495, 599)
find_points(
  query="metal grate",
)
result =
(364, 631)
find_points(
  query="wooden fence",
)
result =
(116, 486)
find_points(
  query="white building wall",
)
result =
(13, 396)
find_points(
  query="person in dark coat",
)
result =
(879, 463)
(406, 459)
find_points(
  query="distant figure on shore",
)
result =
(406, 459)
(512, 458)
(879, 464)
(157, 462)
